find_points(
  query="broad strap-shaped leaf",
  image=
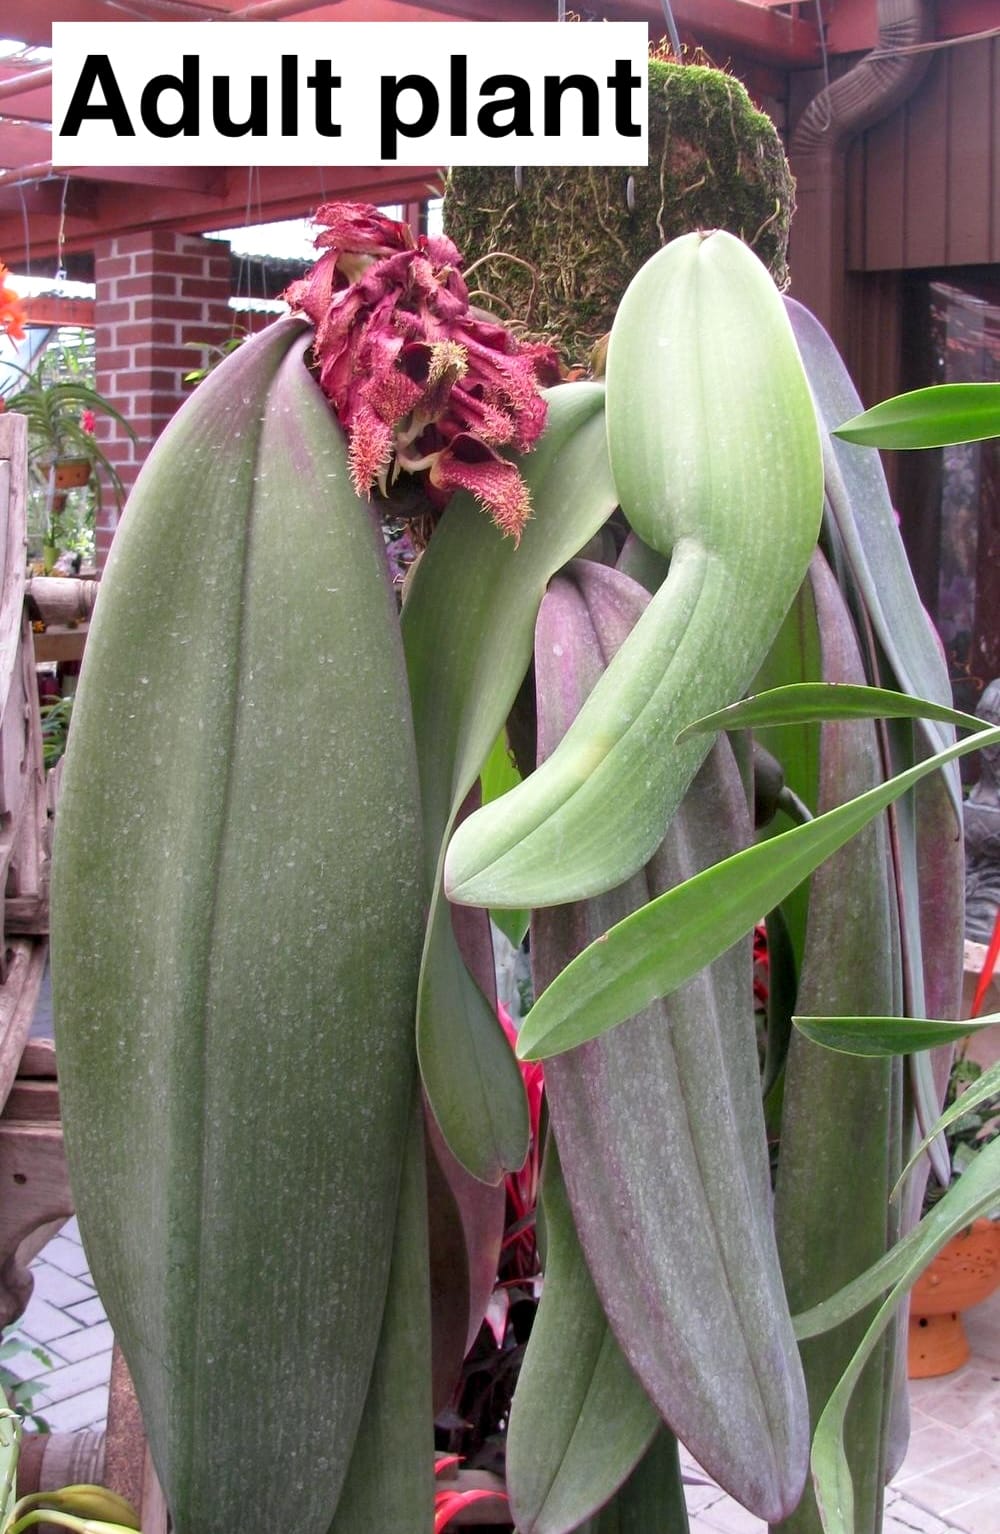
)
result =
(468, 624)
(239, 817)
(936, 417)
(654, 951)
(716, 457)
(861, 512)
(467, 1224)
(651, 1500)
(836, 1157)
(580, 1421)
(390, 1483)
(498, 777)
(660, 1126)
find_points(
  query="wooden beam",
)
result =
(23, 144)
(47, 309)
(98, 210)
(194, 181)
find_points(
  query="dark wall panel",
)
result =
(929, 193)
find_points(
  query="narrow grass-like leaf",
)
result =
(980, 1091)
(656, 950)
(936, 417)
(880, 1037)
(468, 625)
(975, 1193)
(807, 702)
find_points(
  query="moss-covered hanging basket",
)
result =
(564, 242)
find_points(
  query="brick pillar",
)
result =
(155, 291)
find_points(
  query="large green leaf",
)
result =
(837, 1151)
(859, 509)
(562, 1460)
(936, 417)
(660, 1126)
(498, 777)
(468, 624)
(717, 461)
(656, 950)
(239, 818)
(389, 1483)
(651, 1500)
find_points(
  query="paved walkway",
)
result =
(950, 1480)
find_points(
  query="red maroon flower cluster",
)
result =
(417, 379)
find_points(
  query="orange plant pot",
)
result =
(964, 1273)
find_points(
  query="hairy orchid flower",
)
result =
(418, 380)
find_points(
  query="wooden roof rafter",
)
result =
(99, 201)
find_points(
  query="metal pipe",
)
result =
(877, 84)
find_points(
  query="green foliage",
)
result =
(21, 1393)
(54, 397)
(262, 1031)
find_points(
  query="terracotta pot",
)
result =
(72, 473)
(964, 1273)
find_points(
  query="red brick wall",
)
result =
(156, 290)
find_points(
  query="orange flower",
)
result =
(11, 310)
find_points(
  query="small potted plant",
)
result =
(63, 451)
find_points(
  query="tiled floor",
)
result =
(951, 1476)
(949, 1481)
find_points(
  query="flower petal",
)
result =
(468, 464)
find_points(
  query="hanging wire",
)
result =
(826, 65)
(27, 229)
(60, 276)
(672, 32)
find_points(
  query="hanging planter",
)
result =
(68, 473)
(963, 1274)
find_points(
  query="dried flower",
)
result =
(417, 379)
(12, 317)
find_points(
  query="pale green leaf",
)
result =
(498, 777)
(468, 626)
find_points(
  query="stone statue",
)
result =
(982, 832)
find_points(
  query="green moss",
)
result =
(561, 251)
